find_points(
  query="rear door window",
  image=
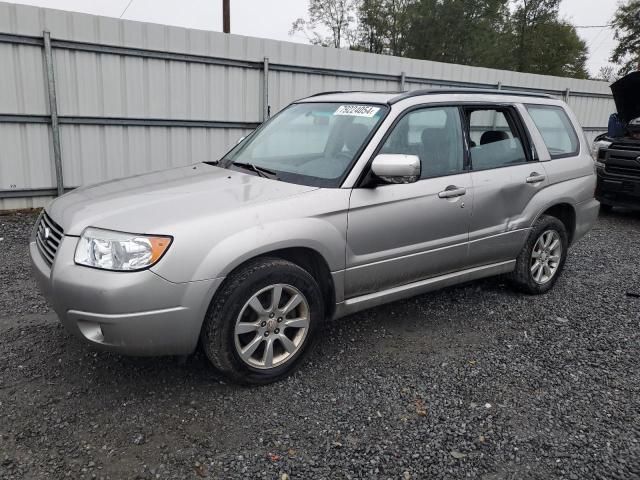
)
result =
(494, 138)
(555, 127)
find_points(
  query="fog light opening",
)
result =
(91, 331)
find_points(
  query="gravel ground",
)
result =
(470, 382)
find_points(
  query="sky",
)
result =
(273, 18)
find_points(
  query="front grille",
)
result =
(627, 187)
(627, 172)
(48, 237)
(631, 146)
(623, 162)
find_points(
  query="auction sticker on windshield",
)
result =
(357, 110)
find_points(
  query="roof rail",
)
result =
(353, 91)
(331, 92)
(440, 91)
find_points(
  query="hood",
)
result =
(152, 203)
(626, 94)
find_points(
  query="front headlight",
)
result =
(598, 150)
(119, 251)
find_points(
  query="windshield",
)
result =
(308, 143)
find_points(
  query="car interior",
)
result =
(434, 135)
(494, 139)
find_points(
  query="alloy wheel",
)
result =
(546, 256)
(268, 336)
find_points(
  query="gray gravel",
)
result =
(470, 382)
(18, 292)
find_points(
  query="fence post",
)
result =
(265, 90)
(403, 82)
(53, 111)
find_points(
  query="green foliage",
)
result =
(383, 26)
(468, 32)
(626, 23)
(521, 35)
(544, 43)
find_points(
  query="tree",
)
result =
(336, 16)
(468, 32)
(521, 35)
(626, 24)
(545, 44)
(529, 15)
(607, 74)
(383, 25)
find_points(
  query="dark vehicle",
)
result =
(617, 153)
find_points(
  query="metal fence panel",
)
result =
(24, 156)
(120, 151)
(134, 97)
(22, 80)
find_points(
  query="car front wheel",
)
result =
(263, 322)
(542, 259)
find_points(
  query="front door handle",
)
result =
(535, 177)
(452, 191)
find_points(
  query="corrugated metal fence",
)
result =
(85, 99)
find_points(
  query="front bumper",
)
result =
(618, 190)
(134, 313)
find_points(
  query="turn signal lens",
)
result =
(159, 245)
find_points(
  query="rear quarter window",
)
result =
(556, 129)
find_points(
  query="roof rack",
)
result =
(440, 91)
(352, 91)
(330, 93)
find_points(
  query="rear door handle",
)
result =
(535, 177)
(452, 191)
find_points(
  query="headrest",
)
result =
(431, 135)
(493, 136)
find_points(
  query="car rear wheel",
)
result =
(542, 259)
(263, 322)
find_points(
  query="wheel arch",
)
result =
(566, 213)
(310, 260)
(313, 262)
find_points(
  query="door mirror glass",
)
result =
(396, 168)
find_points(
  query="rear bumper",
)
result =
(586, 216)
(617, 190)
(134, 313)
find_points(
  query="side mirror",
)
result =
(396, 168)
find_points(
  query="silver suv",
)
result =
(341, 202)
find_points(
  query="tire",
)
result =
(235, 303)
(527, 277)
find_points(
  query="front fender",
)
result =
(211, 247)
(317, 234)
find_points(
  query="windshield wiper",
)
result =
(262, 172)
